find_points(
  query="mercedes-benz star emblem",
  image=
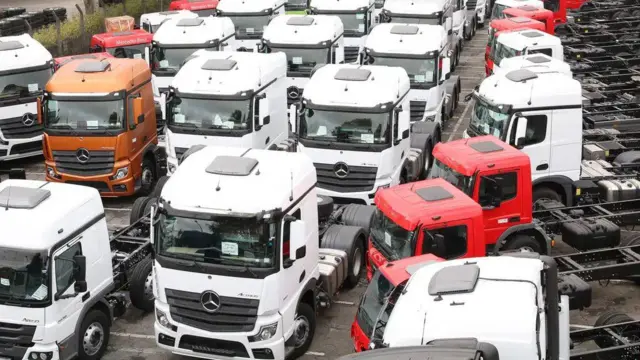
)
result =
(210, 301)
(341, 170)
(293, 92)
(28, 119)
(83, 155)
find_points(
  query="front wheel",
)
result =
(524, 243)
(304, 330)
(141, 286)
(544, 194)
(148, 176)
(94, 336)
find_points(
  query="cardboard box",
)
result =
(119, 23)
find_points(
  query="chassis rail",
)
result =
(129, 246)
(618, 341)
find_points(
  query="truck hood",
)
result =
(91, 143)
(381, 160)
(431, 96)
(25, 316)
(176, 140)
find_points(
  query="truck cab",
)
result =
(133, 44)
(500, 5)
(100, 127)
(357, 21)
(202, 8)
(151, 22)
(25, 68)
(307, 41)
(498, 27)
(438, 12)
(422, 50)
(543, 15)
(535, 61)
(178, 39)
(524, 42)
(242, 104)
(250, 19)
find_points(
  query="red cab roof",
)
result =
(401, 270)
(517, 23)
(528, 11)
(94, 56)
(427, 201)
(467, 156)
(122, 38)
(193, 4)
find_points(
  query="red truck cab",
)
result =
(499, 26)
(385, 279)
(123, 44)
(559, 9)
(543, 15)
(203, 8)
(58, 62)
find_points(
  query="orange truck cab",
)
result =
(543, 15)
(100, 127)
(131, 44)
(499, 26)
(478, 195)
(58, 62)
(383, 282)
(203, 8)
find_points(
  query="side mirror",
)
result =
(80, 273)
(293, 117)
(298, 240)
(438, 242)
(138, 110)
(95, 49)
(521, 131)
(147, 55)
(446, 69)
(40, 106)
(265, 118)
(152, 215)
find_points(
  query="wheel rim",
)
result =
(302, 330)
(93, 339)
(147, 177)
(357, 261)
(148, 287)
(526, 249)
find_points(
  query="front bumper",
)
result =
(107, 187)
(13, 353)
(19, 149)
(360, 339)
(362, 198)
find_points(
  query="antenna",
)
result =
(132, 81)
(8, 198)
(530, 93)
(218, 186)
(291, 194)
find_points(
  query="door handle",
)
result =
(514, 219)
(267, 140)
(144, 139)
(302, 276)
(542, 167)
(86, 296)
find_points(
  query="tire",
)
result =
(545, 193)
(359, 215)
(157, 190)
(93, 338)
(137, 209)
(610, 317)
(627, 157)
(428, 160)
(454, 103)
(148, 177)
(325, 207)
(148, 205)
(141, 286)
(524, 242)
(349, 239)
(306, 314)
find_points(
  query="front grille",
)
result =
(213, 346)
(234, 314)
(100, 162)
(26, 148)
(15, 340)
(98, 185)
(351, 54)
(14, 128)
(180, 151)
(417, 110)
(359, 178)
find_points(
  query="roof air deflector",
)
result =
(10, 45)
(521, 75)
(219, 64)
(456, 279)
(301, 21)
(190, 22)
(17, 197)
(538, 59)
(434, 193)
(486, 147)
(404, 30)
(92, 66)
(351, 74)
(232, 165)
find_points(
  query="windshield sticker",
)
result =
(359, 16)
(228, 124)
(6, 282)
(137, 56)
(387, 239)
(368, 138)
(361, 27)
(428, 74)
(419, 78)
(179, 118)
(297, 60)
(250, 30)
(322, 130)
(33, 87)
(164, 63)
(229, 248)
(40, 293)
(93, 123)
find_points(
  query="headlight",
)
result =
(41, 355)
(266, 332)
(121, 173)
(163, 319)
(430, 117)
(383, 187)
(171, 167)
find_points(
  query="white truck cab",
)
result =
(307, 41)
(151, 22)
(500, 5)
(541, 61)
(177, 39)
(250, 19)
(25, 68)
(525, 42)
(422, 51)
(357, 20)
(354, 123)
(227, 98)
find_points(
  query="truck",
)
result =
(541, 61)
(422, 50)
(100, 127)
(250, 19)
(203, 8)
(498, 27)
(132, 44)
(150, 22)
(523, 42)
(357, 21)
(242, 104)
(246, 279)
(307, 41)
(62, 286)
(477, 13)
(178, 39)
(354, 123)
(25, 68)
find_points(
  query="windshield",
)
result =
(349, 127)
(211, 114)
(249, 26)
(496, 13)
(171, 59)
(390, 237)
(131, 52)
(420, 71)
(442, 171)
(415, 20)
(501, 51)
(23, 276)
(223, 240)
(492, 38)
(372, 302)
(84, 115)
(301, 61)
(486, 121)
(150, 28)
(354, 24)
(205, 12)
(24, 83)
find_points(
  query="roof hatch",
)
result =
(538, 59)
(532, 34)
(17, 197)
(232, 165)
(434, 193)
(521, 75)
(10, 45)
(301, 21)
(219, 64)
(404, 30)
(190, 22)
(351, 74)
(458, 279)
(486, 147)
(92, 66)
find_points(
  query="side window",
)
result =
(453, 246)
(256, 113)
(64, 267)
(507, 181)
(536, 131)
(286, 233)
(546, 51)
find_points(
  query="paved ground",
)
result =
(132, 335)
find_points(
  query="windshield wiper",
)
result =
(242, 268)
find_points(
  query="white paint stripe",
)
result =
(581, 326)
(314, 353)
(137, 336)
(118, 209)
(464, 113)
(343, 302)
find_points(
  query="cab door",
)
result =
(537, 140)
(447, 241)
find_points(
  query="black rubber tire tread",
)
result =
(190, 151)
(545, 192)
(308, 312)
(522, 240)
(149, 204)
(157, 190)
(91, 317)
(359, 215)
(325, 206)
(346, 238)
(627, 157)
(136, 285)
(148, 162)
(137, 208)
(610, 317)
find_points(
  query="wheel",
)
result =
(473, 28)
(544, 193)
(356, 264)
(141, 286)
(148, 177)
(358, 215)
(94, 336)
(454, 103)
(610, 317)
(137, 209)
(147, 208)
(157, 190)
(525, 243)
(305, 329)
(325, 207)
(351, 240)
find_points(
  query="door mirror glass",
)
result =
(80, 273)
(446, 69)
(434, 244)
(521, 131)
(293, 115)
(491, 193)
(298, 239)
(256, 114)
(147, 55)
(265, 119)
